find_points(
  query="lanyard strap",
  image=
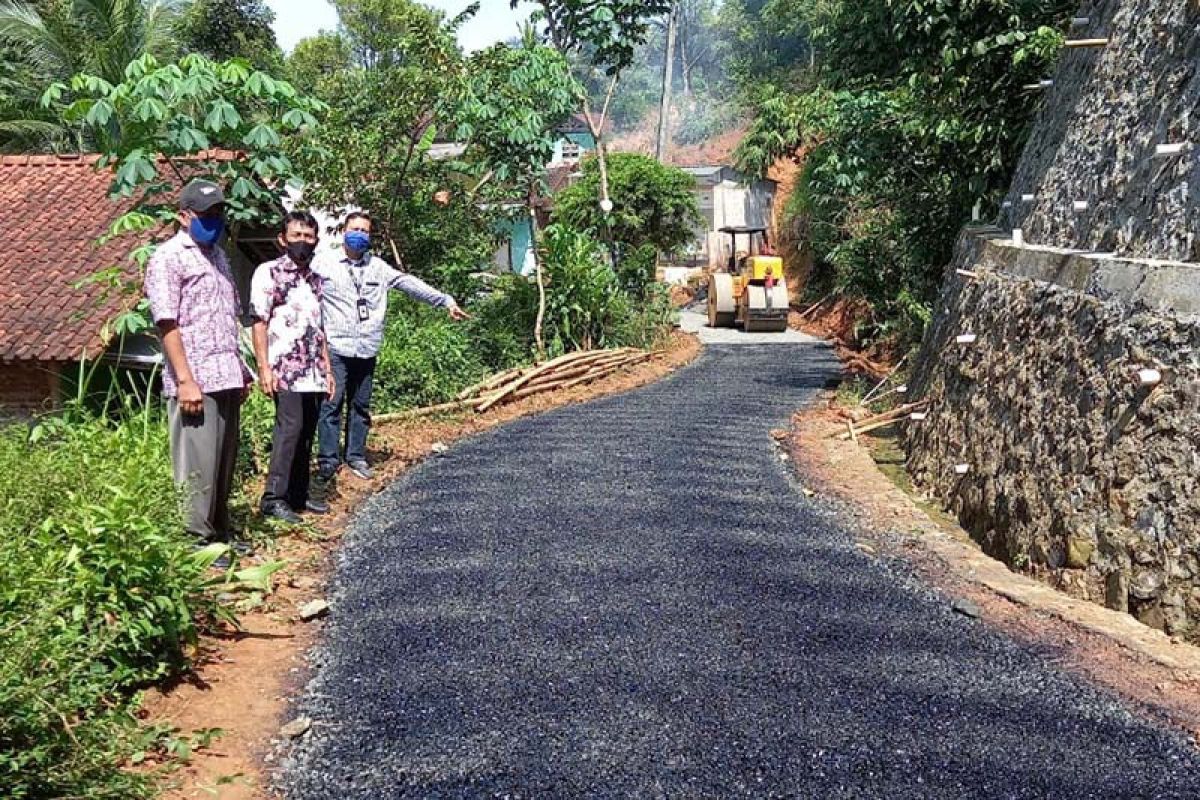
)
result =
(358, 280)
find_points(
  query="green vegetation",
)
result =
(100, 593)
(654, 212)
(909, 115)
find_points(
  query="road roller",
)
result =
(752, 291)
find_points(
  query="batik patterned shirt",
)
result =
(193, 287)
(287, 298)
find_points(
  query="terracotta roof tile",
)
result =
(52, 210)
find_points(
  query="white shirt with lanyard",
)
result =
(355, 299)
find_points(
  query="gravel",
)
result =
(631, 599)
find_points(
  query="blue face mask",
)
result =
(206, 230)
(358, 241)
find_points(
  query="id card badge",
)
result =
(364, 311)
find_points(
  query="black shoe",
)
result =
(362, 469)
(325, 474)
(281, 511)
(316, 506)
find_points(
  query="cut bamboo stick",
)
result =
(1086, 43)
(886, 417)
(498, 379)
(457, 405)
(606, 372)
(513, 386)
(895, 369)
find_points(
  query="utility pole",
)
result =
(664, 119)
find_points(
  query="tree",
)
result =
(514, 100)
(225, 29)
(901, 138)
(602, 35)
(54, 39)
(398, 91)
(664, 112)
(658, 212)
(317, 59)
(61, 39)
(170, 118)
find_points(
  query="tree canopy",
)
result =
(225, 29)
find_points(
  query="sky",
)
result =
(495, 22)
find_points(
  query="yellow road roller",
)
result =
(752, 292)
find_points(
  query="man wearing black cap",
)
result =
(195, 305)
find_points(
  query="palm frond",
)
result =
(44, 47)
(20, 135)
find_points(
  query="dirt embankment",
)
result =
(244, 684)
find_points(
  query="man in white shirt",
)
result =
(355, 294)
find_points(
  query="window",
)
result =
(570, 150)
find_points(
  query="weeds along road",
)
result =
(629, 599)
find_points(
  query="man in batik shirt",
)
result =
(293, 364)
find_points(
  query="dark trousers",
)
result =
(204, 450)
(355, 377)
(291, 448)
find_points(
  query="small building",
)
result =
(726, 199)
(575, 141)
(53, 309)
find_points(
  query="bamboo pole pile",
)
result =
(565, 372)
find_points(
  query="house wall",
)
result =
(732, 204)
(585, 141)
(27, 388)
(516, 254)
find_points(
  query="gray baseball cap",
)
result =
(200, 195)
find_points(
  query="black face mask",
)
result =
(301, 252)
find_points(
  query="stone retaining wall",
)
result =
(1075, 470)
(1096, 137)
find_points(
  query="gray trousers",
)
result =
(204, 451)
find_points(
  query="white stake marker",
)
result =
(1080, 206)
(1149, 377)
(1166, 150)
(1018, 237)
(967, 338)
(918, 416)
(962, 469)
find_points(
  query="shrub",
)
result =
(655, 206)
(99, 593)
(426, 359)
(587, 305)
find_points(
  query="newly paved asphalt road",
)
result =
(629, 599)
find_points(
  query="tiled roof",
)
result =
(52, 210)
